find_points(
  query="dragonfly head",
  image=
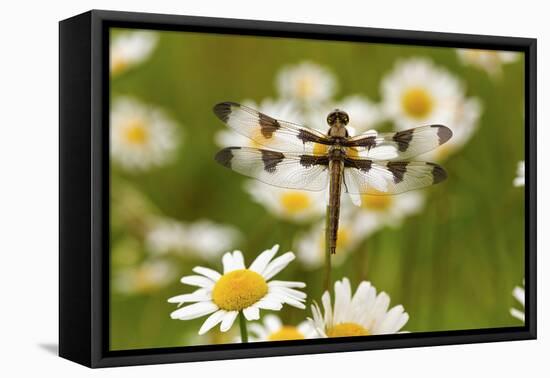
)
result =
(338, 118)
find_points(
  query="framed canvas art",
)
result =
(235, 188)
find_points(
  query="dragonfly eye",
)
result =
(338, 115)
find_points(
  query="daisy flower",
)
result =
(519, 295)
(144, 278)
(238, 290)
(490, 61)
(273, 329)
(141, 136)
(419, 93)
(128, 49)
(364, 313)
(519, 180)
(385, 210)
(281, 109)
(306, 82)
(202, 238)
(289, 204)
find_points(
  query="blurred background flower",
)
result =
(306, 83)
(490, 61)
(129, 49)
(203, 238)
(141, 136)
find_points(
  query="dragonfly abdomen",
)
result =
(336, 168)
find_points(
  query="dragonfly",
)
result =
(298, 157)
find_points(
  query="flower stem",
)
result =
(242, 324)
(327, 254)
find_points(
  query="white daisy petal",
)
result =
(388, 323)
(294, 284)
(228, 263)
(269, 304)
(196, 310)
(238, 260)
(200, 281)
(212, 321)
(260, 263)
(327, 307)
(196, 296)
(251, 313)
(228, 320)
(207, 272)
(277, 265)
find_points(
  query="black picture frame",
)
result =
(84, 187)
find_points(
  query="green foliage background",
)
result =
(452, 266)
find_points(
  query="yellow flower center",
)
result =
(376, 202)
(239, 289)
(295, 201)
(347, 329)
(417, 102)
(304, 87)
(286, 333)
(136, 133)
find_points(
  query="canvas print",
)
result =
(270, 189)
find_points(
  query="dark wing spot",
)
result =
(403, 139)
(439, 174)
(225, 156)
(443, 133)
(223, 110)
(368, 142)
(308, 161)
(398, 169)
(271, 159)
(361, 164)
(268, 125)
(306, 136)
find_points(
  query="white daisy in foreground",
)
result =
(238, 290)
(519, 180)
(273, 329)
(310, 246)
(491, 61)
(308, 83)
(280, 109)
(144, 278)
(519, 295)
(141, 136)
(128, 49)
(289, 204)
(364, 313)
(203, 238)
